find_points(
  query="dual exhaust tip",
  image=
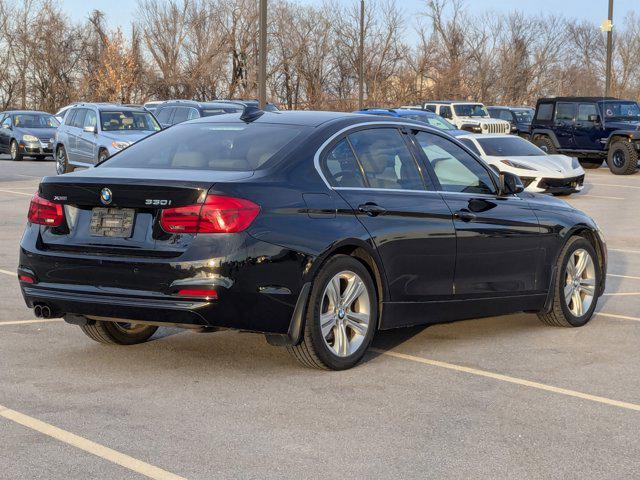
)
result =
(42, 311)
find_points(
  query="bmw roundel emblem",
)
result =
(105, 196)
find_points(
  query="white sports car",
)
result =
(539, 172)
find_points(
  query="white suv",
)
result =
(470, 116)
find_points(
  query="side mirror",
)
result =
(594, 118)
(510, 184)
(90, 129)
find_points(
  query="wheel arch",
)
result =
(543, 132)
(367, 255)
(623, 135)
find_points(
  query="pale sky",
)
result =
(121, 12)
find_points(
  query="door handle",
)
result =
(371, 209)
(464, 215)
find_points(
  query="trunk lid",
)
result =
(133, 200)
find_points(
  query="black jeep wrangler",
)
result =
(591, 129)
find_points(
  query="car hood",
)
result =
(479, 120)
(126, 135)
(544, 163)
(42, 133)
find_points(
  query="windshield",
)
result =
(208, 146)
(524, 115)
(128, 120)
(35, 120)
(431, 119)
(509, 147)
(471, 110)
(626, 110)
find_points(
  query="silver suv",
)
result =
(92, 132)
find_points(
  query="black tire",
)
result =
(622, 158)
(116, 333)
(102, 155)
(313, 351)
(14, 151)
(546, 144)
(590, 163)
(62, 161)
(560, 314)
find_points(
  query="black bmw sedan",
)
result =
(315, 228)
(26, 133)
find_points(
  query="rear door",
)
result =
(563, 124)
(86, 142)
(498, 238)
(74, 131)
(374, 170)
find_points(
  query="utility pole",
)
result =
(361, 59)
(607, 26)
(262, 56)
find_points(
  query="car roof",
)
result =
(451, 102)
(308, 118)
(25, 111)
(107, 106)
(510, 108)
(575, 99)
(195, 103)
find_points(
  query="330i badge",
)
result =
(315, 228)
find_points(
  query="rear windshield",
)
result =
(209, 146)
(128, 120)
(509, 146)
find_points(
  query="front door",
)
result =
(375, 172)
(5, 134)
(587, 131)
(564, 123)
(498, 238)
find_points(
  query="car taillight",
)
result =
(218, 214)
(44, 212)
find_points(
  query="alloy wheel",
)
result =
(580, 282)
(619, 158)
(14, 150)
(345, 313)
(61, 162)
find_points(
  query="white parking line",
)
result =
(622, 294)
(514, 380)
(26, 322)
(82, 443)
(17, 193)
(619, 317)
(614, 185)
(7, 272)
(588, 195)
(622, 250)
(623, 276)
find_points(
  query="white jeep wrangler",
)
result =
(470, 116)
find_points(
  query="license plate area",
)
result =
(112, 222)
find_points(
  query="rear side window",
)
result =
(210, 146)
(431, 108)
(565, 111)
(445, 112)
(341, 168)
(69, 117)
(164, 115)
(545, 112)
(386, 160)
(183, 114)
(78, 119)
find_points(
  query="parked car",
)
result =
(152, 106)
(301, 225)
(63, 111)
(177, 111)
(519, 117)
(591, 128)
(539, 172)
(27, 133)
(470, 116)
(419, 115)
(92, 132)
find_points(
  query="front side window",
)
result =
(183, 114)
(445, 112)
(471, 110)
(164, 115)
(386, 160)
(456, 170)
(340, 167)
(511, 146)
(90, 119)
(585, 110)
(565, 111)
(128, 120)
(506, 115)
(35, 120)
(209, 146)
(6, 123)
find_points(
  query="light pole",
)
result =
(361, 59)
(607, 26)
(262, 56)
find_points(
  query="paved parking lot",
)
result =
(504, 397)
